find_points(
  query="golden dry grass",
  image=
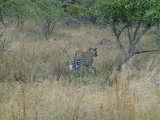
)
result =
(30, 90)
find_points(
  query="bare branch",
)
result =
(5, 50)
(127, 25)
(136, 30)
(129, 35)
(4, 26)
(142, 33)
(118, 68)
(1, 18)
(2, 32)
(117, 34)
(64, 51)
(146, 51)
(54, 23)
(129, 57)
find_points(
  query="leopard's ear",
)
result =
(95, 49)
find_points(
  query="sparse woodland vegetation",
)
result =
(37, 42)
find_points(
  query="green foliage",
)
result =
(20, 8)
(124, 11)
(48, 9)
(75, 9)
(90, 7)
(82, 7)
(26, 9)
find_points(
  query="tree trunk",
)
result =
(134, 41)
(132, 49)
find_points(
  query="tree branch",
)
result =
(136, 30)
(54, 23)
(146, 51)
(117, 34)
(64, 51)
(120, 65)
(5, 50)
(129, 35)
(1, 17)
(2, 32)
(129, 57)
(127, 25)
(142, 33)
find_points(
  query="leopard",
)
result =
(81, 58)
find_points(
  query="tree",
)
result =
(49, 11)
(17, 10)
(135, 16)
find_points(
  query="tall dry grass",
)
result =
(29, 88)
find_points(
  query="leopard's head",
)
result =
(93, 51)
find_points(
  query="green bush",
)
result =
(75, 9)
